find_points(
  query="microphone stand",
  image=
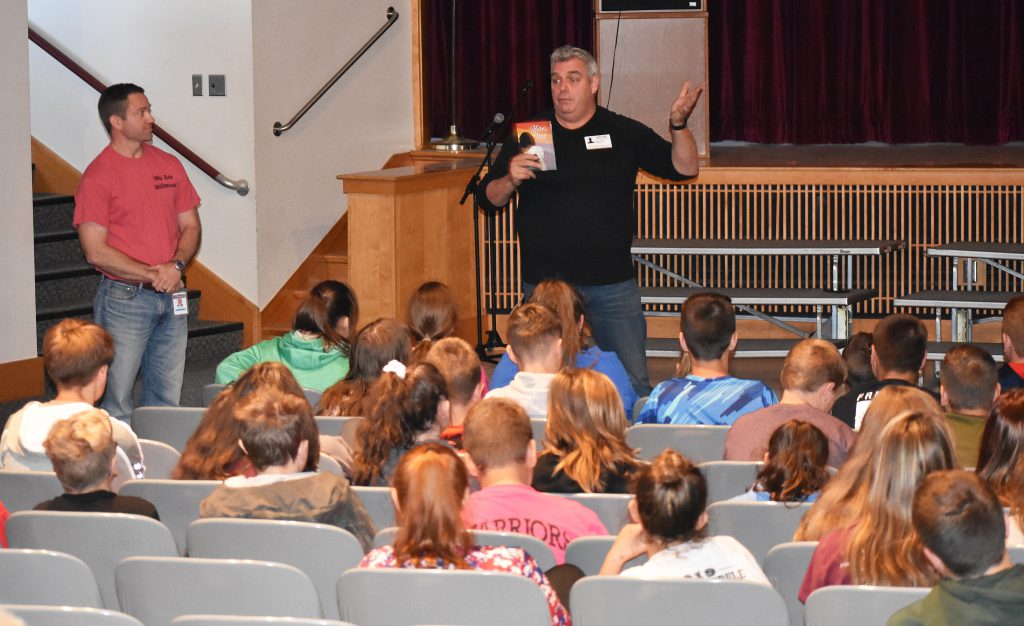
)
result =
(494, 341)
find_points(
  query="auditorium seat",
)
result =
(20, 490)
(46, 577)
(101, 540)
(346, 426)
(757, 525)
(377, 501)
(728, 479)
(159, 458)
(327, 463)
(157, 589)
(538, 426)
(177, 501)
(243, 620)
(858, 605)
(785, 566)
(40, 615)
(210, 392)
(319, 550)
(616, 600)
(588, 554)
(697, 443)
(611, 508)
(404, 597)
(172, 425)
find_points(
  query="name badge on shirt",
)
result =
(180, 301)
(598, 142)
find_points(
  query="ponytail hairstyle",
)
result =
(431, 315)
(430, 484)
(321, 310)
(400, 410)
(586, 428)
(671, 494)
(567, 304)
(797, 465)
(379, 342)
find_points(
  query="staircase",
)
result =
(66, 284)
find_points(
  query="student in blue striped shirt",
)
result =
(708, 394)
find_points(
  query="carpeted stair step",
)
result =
(52, 212)
(57, 250)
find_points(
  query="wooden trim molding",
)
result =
(52, 173)
(21, 379)
(223, 302)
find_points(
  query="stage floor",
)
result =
(871, 155)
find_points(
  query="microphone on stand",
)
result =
(499, 118)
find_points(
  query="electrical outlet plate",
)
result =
(217, 85)
(197, 84)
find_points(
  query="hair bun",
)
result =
(670, 468)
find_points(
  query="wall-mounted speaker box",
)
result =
(662, 6)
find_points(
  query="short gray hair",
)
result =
(567, 53)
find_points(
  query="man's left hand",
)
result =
(168, 278)
(685, 103)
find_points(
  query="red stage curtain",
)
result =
(895, 71)
(501, 45)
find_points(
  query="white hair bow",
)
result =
(395, 367)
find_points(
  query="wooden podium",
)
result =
(406, 227)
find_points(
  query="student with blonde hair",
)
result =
(843, 498)
(77, 356)
(585, 447)
(567, 304)
(881, 546)
(82, 452)
(429, 489)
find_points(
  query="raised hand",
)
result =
(685, 102)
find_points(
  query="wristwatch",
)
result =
(179, 265)
(677, 126)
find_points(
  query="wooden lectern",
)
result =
(406, 227)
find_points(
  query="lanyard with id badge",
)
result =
(179, 300)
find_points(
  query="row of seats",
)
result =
(174, 425)
(160, 590)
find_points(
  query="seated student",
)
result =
(568, 306)
(429, 489)
(898, 352)
(812, 377)
(279, 435)
(212, 451)
(535, 345)
(844, 496)
(857, 355)
(669, 526)
(4, 515)
(431, 316)
(708, 394)
(1011, 374)
(960, 522)
(409, 407)
(881, 547)
(317, 348)
(795, 465)
(585, 449)
(502, 454)
(1001, 459)
(82, 451)
(379, 342)
(460, 366)
(76, 355)
(968, 387)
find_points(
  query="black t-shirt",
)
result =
(99, 502)
(846, 407)
(576, 223)
(545, 478)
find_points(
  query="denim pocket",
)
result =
(120, 291)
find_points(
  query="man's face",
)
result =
(137, 123)
(573, 92)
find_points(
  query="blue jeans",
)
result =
(148, 336)
(617, 321)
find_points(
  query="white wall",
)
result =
(17, 306)
(159, 45)
(355, 127)
(276, 54)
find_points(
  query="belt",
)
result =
(146, 286)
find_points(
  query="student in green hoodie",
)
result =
(962, 527)
(316, 350)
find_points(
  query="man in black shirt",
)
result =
(576, 223)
